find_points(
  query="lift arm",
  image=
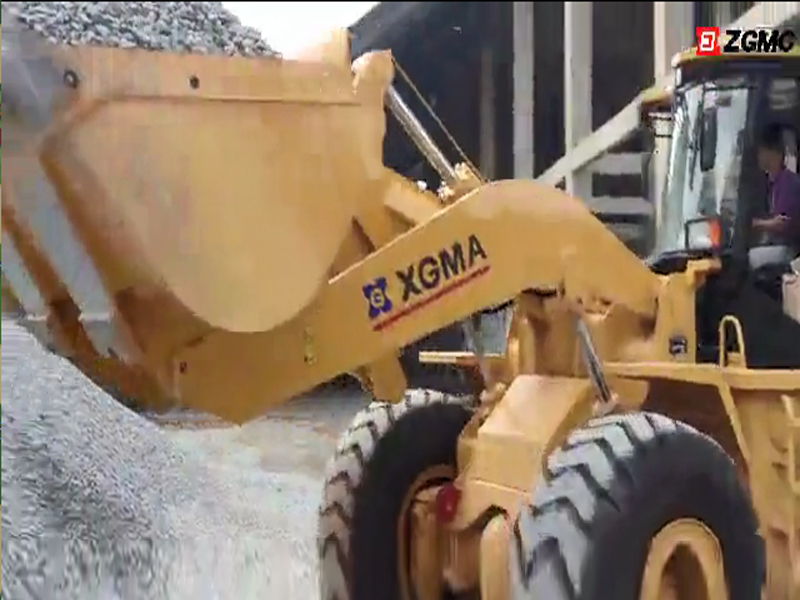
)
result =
(231, 221)
(503, 238)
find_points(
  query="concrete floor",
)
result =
(297, 439)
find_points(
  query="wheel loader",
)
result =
(221, 232)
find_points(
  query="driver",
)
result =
(783, 221)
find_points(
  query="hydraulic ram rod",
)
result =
(472, 326)
(420, 137)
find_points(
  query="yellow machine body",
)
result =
(237, 240)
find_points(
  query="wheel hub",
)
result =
(684, 563)
(417, 534)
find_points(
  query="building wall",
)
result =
(623, 65)
(548, 90)
(440, 48)
(623, 59)
(623, 55)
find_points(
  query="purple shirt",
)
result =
(785, 200)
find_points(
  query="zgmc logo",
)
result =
(742, 41)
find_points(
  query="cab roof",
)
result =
(691, 56)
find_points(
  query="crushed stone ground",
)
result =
(98, 502)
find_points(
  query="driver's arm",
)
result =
(785, 218)
(771, 224)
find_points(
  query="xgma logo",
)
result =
(768, 41)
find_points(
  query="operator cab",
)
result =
(714, 190)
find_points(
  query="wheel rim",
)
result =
(684, 563)
(429, 477)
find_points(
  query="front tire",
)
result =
(609, 490)
(377, 462)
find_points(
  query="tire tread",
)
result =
(343, 474)
(556, 524)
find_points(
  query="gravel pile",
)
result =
(99, 503)
(200, 27)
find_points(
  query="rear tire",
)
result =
(377, 461)
(609, 490)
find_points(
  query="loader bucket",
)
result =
(226, 185)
